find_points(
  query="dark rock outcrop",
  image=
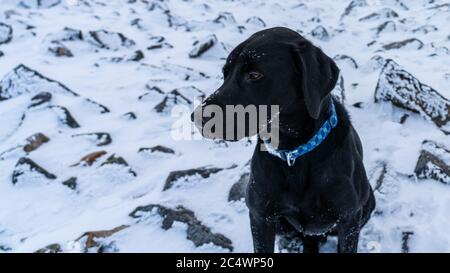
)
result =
(184, 95)
(64, 116)
(203, 45)
(22, 80)
(92, 238)
(34, 142)
(108, 40)
(256, 21)
(118, 160)
(158, 149)
(352, 6)
(413, 42)
(175, 176)
(71, 183)
(405, 91)
(158, 42)
(6, 33)
(40, 99)
(100, 139)
(320, 33)
(433, 162)
(384, 13)
(90, 159)
(53, 248)
(197, 232)
(36, 4)
(26, 165)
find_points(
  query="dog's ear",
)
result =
(318, 75)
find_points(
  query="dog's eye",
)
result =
(254, 76)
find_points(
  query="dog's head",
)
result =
(275, 66)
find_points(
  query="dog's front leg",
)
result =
(348, 233)
(263, 233)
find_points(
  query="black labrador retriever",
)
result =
(323, 191)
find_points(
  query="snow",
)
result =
(38, 212)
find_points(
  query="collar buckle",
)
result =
(290, 159)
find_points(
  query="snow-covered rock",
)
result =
(434, 162)
(27, 171)
(405, 91)
(6, 33)
(23, 80)
(196, 231)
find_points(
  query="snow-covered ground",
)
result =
(106, 82)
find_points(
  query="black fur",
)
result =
(326, 189)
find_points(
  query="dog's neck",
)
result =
(294, 132)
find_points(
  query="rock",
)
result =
(6, 33)
(184, 73)
(377, 62)
(396, 3)
(27, 166)
(378, 176)
(117, 160)
(60, 50)
(53, 248)
(90, 159)
(66, 35)
(71, 183)
(100, 139)
(101, 109)
(388, 26)
(353, 4)
(425, 29)
(130, 115)
(384, 13)
(347, 59)
(225, 18)
(40, 98)
(175, 176)
(237, 191)
(153, 93)
(137, 56)
(91, 236)
(320, 33)
(64, 116)
(23, 80)
(109, 40)
(158, 148)
(406, 236)
(203, 45)
(157, 42)
(433, 162)
(256, 21)
(134, 57)
(184, 95)
(34, 142)
(198, 233)
(441, 7)
(5, 248)
(36, 4)
(412, 43)
(359, 105)
(405, 91)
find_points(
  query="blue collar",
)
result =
(316, 140)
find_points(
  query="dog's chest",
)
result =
(307, 210)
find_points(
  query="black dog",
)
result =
(324, 190)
